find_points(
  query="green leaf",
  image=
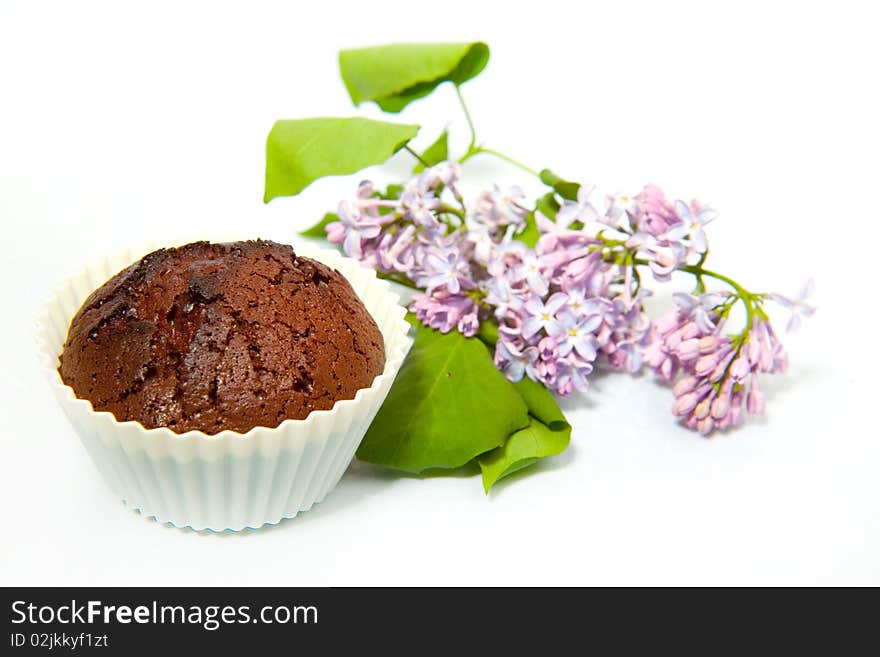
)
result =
(541, 403)
(392, 192)
(298, 152)
(488, 333)
(548, 206)
(523, 448)
(435, 153)
(448, 405)
(395, 75)
(530, 234)
(320, 228)
(548, 433)
(565, 188)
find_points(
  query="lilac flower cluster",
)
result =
(717, 373)
(574, 297)
(558, 306)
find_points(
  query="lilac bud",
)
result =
(719, 372)
(668, 370)
(705, 426)
(708, 344)
(468, 325)
(755, 402)
(701, 410)
(666, 323)
(684, 385)
(336, 232)
(740, 368)
(705, 364)
(721, 368)
(720, 406)
(735, 414)
(547, 349)
(672, 340)
(690, 330)
(685, 404)
(545, 372)
(688, 349)
(754, 351)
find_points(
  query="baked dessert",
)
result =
(221, 336)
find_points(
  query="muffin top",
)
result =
(221, 336)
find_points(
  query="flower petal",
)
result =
(515, 370)
(555, 302)
(531, 326)
(677, 232)
(683, 211)
(698, 241)
(586, 348)
(534, 306)
(584, 193)
(685, 302)
(640, 240)
(590, 324)
(707, 215)
(544, 224)
(807, 290)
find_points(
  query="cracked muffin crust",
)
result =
(221, 336)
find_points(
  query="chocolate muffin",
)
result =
(221, 336)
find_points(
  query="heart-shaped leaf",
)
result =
(522, 449)
(548, 433)
(546, 205)
(298, 152)
(448, 404)
(435, 153)
(395, 75)
(565, 188)
(541, 403)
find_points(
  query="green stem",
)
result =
(473, 149)
(451, 209)
(417, 156)
(467, 115)
(749, 299)
(698, 270)
(488, 151)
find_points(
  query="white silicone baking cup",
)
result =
(228, 480)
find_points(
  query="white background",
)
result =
(124, 123)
